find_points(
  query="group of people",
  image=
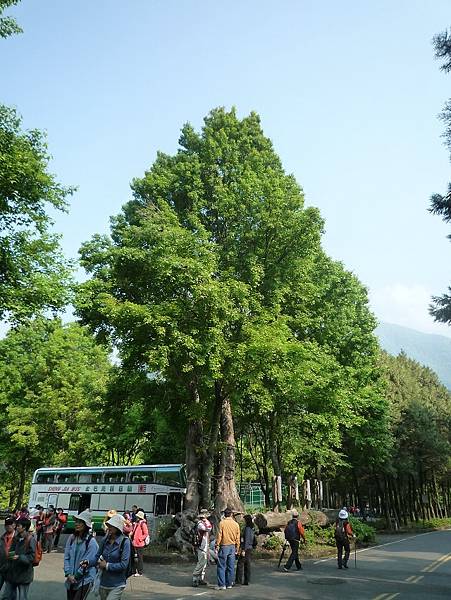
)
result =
(229, 542)
(105, 564)
(224, 543)
(47, 524)
(119, 554)
(294, 533)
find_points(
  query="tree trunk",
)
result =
(227, 494)
(21, 487)
(209, 453)
(275, 459)
(193, 443)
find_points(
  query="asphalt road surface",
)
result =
(413, 566)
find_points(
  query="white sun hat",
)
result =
(343, 514)
(86, 517)
(117, 521)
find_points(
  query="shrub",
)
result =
(364, 532)
(273, 542)
(435, 523)
(165, 530)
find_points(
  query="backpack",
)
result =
(292, 530)
(130, 568)
(340, 530)
(37, 553)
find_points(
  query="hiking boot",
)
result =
(345, 566)
(340, 567)
(203, 582)
(195, 584)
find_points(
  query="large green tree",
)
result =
(216, 247)
(53, 379)
(34, 276)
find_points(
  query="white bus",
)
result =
(157, 489)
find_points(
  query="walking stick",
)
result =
(84, 595)
(282, 554)
(355, 553)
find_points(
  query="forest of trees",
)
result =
(240, 347)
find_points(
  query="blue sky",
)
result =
(348, 91)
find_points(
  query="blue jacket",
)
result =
(115, 573)
(74, 553)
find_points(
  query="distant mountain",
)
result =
(431, 350)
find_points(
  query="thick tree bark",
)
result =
(21, 487)
(227, 494)
(209, 452)
(275, 459)
(193, 443)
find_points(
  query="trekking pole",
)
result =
(355, 552)
(282, 554)
(83, 595)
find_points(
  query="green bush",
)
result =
(435, 523)
(364, 532)
(165, 530)
(273, 542)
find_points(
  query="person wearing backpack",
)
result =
(140, 539)
(248, 543)
(201, 544)
(6, 539)
(343, 531)
(20, 569)
(113, 558)
(294, 532)
(80, 547)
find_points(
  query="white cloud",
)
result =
(406, 305)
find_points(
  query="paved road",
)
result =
(414, 567)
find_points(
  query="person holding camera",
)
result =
(81, 547)
(112, 559)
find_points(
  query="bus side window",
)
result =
(160, 504)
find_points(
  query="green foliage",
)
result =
(435, 523)
(273, 542)
(8, 25)
(52, 381)
(166, 530)
(214, 278)
(441, 204)
(33, 274)
(364, 532)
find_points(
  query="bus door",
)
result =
(80, 502)
(161, 502)
(174, 503)
(51, 500)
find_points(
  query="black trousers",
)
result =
(294, 556)
(243, 568)
(139, 560)
(79, 594)
(347, 547)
